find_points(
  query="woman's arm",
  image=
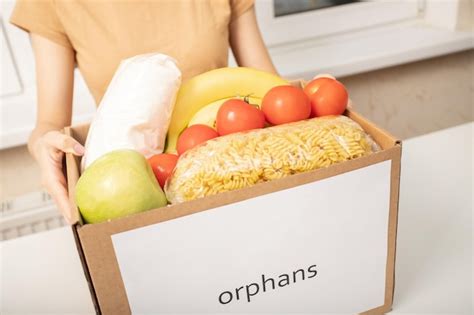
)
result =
(247, 43)
(54, 79)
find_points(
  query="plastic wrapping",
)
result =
(243, 159)
(136, 109)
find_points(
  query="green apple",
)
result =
(117, 184)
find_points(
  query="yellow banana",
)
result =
(212, 86)
(207, 114)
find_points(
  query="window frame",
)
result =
(437, 29)
(350, 17)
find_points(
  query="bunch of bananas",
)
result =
(200, 98)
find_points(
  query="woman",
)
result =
(96, 35)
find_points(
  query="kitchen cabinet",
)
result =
(18, 85)
(11, 84)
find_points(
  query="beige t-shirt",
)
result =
(103, 32)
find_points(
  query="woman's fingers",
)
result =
(55, 185)
(49, 154)
(63, 142)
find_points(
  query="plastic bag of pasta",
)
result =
(243, 159)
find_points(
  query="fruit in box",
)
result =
(212, 86)
(117, 184)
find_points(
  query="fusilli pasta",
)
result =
(243, 159)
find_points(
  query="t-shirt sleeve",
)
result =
(40, 17)
(238, 7)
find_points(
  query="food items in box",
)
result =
(285, 104)
(136, 109)
(163, 165)
(207, 115)
(328, 97)
(313, 86)
(117, 184)
(212, 86)
(194, 135)
(243, 159)
(237, 115)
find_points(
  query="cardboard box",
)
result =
(317, 242)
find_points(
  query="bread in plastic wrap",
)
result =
(243, 159)
(136, 109)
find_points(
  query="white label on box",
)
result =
(316, 248)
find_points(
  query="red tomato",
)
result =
(163, 165)
(236, 115)
(313, 86)
(285, 104)
(329, 98)
(194, 135)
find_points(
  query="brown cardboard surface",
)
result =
(104, 272)
(85, 268)
(392, 235)
(393, 226)
(197, 205)
(100, 254)
(73, 167)
(381, 136)
(378, 310)
(95, 239)
(72, 171)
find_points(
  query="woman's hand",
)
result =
(49, 151)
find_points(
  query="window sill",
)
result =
(367, 50)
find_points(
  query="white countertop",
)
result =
(42, 272)
(434, 245)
